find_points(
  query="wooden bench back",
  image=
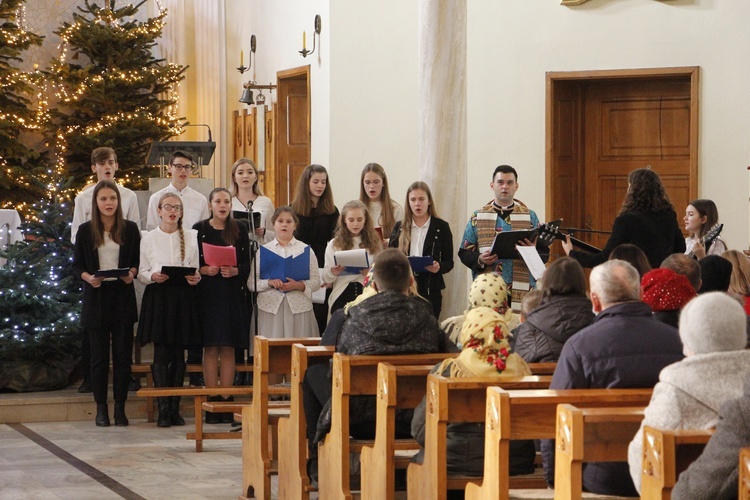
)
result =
(590, 435)
(744, 478)
(353, 376)
(543, 368)
(532, 414)
(292, 431)
(666, 453)
(453, 400)
(272, 357)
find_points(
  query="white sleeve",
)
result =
(153, 214)
(145, 270)
(313, 283)
(328, 276)
(79, 217)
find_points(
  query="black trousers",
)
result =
(119, 335)
(434, 295)
(316, 391)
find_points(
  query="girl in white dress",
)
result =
(285, 306)
(700, 217)
(373, 192)
(355, 230)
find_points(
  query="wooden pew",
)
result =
(744, 474)
(292, 430)
(272, 357)
(353, 376)
(666, 453)
(145, 369)
(398, 387)
(460, 400)
(590, 435)
(527, 414)
(542, 368)
(200, 395)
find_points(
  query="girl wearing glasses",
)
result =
(373, 192)
(169, 312)
(285, 308)
(108, 242)
(222, 304)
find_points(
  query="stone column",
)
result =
(442, 127)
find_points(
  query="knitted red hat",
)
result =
(665, 290)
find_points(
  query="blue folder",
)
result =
(276, 267)
(418, 264)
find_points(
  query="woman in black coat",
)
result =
(108, 242)
(432, 238)
(647, 220)
(564, 310)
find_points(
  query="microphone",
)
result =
(250, 205)
(201, 125)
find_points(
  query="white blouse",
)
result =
(163, 249)
(270, 299)
(264, 206)
(718, 247)
(341, 281)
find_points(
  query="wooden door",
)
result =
(630, 125)
(602, 125)
(292, 130)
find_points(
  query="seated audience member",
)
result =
(388, 322)
(633, 255)
(565, 309)
(487, 290)
(625, 347)
(666, 292)
(485, 353)
(686, 266)
(739, 281)
(716, 271)
(529, 302)
(691, 392)
(714, 474)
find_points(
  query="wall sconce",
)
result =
(247, 93)
(316, 34)
(242, 67)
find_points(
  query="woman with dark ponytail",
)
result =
(169, 312)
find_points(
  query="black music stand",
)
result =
(160, 152)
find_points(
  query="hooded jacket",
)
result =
(542, 336)
(689, 395)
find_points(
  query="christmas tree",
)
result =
(40, 303)
(21, 168)
(111, 91)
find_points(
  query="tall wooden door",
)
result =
(292, 131)
(603, 125)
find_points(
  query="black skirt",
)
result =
(169, 315)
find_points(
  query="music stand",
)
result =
(160, 151)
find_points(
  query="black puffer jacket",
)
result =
(542, 336)
(386, 323)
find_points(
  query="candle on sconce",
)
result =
(242, 58)
(304, 40)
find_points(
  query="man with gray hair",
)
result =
(625, 347)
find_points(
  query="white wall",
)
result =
(512, 44)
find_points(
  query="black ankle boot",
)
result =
(165, 413)
(102, 415)
(120, 418)
(175, 416)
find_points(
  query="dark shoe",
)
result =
(176, 418)
(134, 384)
(85, 387)
(212, 417)
(312, 471)
(227, 417)
(120, 419)
(102, 415)
(165, 412)
(197, 380)
(239, 379)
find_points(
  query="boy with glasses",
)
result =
(195, 205)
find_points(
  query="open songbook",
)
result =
(273, 266)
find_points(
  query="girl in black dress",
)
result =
(432, 238)
(169, 311)
(221, 294)
(108, 242)
(318, 216)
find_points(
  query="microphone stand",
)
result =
(253, 249)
